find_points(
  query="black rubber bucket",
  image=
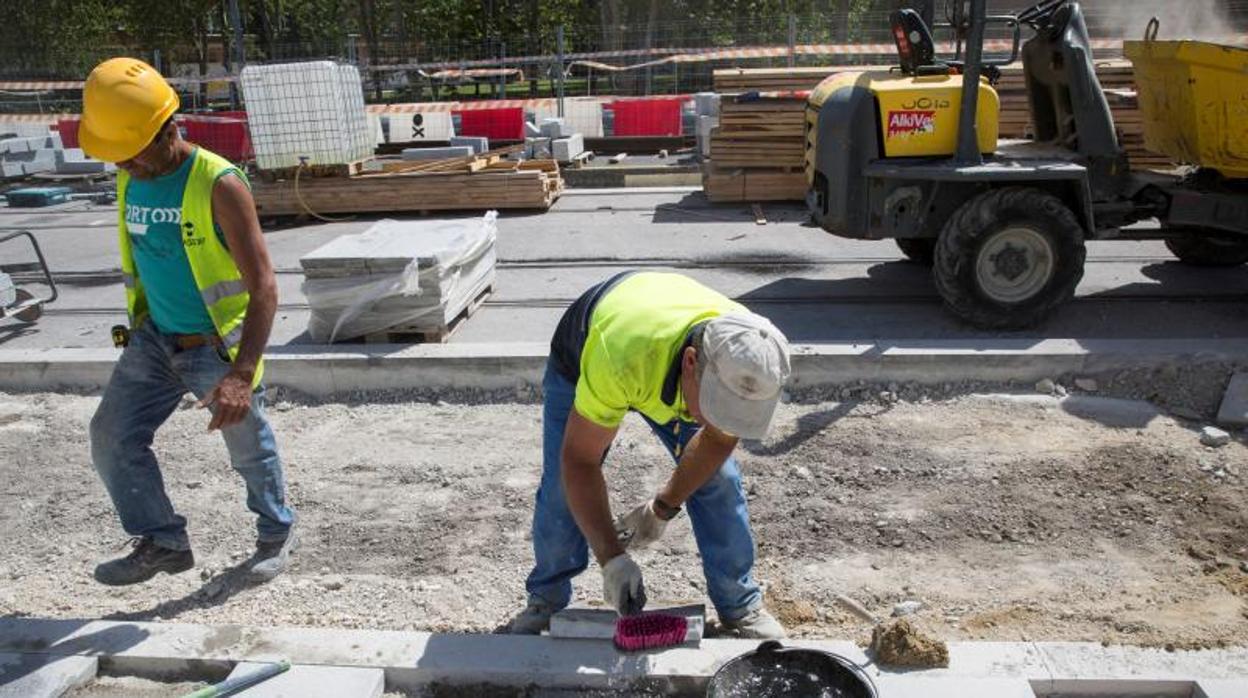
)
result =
(773, 671)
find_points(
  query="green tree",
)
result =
(56, 38)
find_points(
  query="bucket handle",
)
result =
(1150, 31)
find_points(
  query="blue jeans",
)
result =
(717, 510)
(146, 386)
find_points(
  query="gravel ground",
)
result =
(1008, 518)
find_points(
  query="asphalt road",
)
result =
(816, 287)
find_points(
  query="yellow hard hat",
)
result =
(124, 104)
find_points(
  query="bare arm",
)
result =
(703, 457)
(235, 211)
(584, 444)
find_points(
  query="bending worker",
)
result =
(703, 372)
(201, 296)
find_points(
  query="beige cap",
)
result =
(747, 363)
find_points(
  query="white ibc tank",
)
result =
(312, 110)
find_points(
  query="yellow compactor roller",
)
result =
(913, 154)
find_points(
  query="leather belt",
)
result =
(193, 341)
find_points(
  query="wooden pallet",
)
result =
(726, 184)
(440, 335)
(347, 169)
(529, 184)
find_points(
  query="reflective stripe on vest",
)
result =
(222, 289)
(217, 277)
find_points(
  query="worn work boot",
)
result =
(531, 621)
(758, 624)
(144, 562)
(272, 557)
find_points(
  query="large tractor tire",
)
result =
(1206, 251)
(918, 250)
(1008, 257)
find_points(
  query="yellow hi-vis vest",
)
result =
(217, 277)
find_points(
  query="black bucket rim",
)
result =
(775, 647)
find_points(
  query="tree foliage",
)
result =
(66, 37)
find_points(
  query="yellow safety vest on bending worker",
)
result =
(217, 277)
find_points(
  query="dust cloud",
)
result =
(1203, 20)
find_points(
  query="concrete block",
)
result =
(706, 104)
(37, 166)
(479, 144)
(12, 169)
(953, 687)
(26, 144)
(84, 167)
(23, 130)
(1221, 688)
(13, 145)
(32, 161)
(1234, 409)
(565, 149)
(555, 127)
(537, 148)
(43, 675)
(30, 156)
(309, 681)
(705, 125)
(458, 151)
(71, 155)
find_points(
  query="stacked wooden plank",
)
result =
(1115, 76)
(752, 184)
(481, 182)
(757, 151)
(759, 133)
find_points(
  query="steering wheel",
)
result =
(1039, 14)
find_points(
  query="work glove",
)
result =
(622, 586)
(640, 527)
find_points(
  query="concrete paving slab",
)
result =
(42, 675)
(1234, 409)
(309, 681)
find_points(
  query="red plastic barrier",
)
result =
(647, 117)
(503, 124)
(226, 136)
(68, 128)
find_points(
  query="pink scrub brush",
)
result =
(648, 631)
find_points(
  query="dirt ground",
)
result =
(1007, 518)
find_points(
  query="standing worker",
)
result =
(702, 371)
(201, 296)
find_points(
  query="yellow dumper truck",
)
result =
(912, 154)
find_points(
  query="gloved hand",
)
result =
(640, 527)
(622, 586)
